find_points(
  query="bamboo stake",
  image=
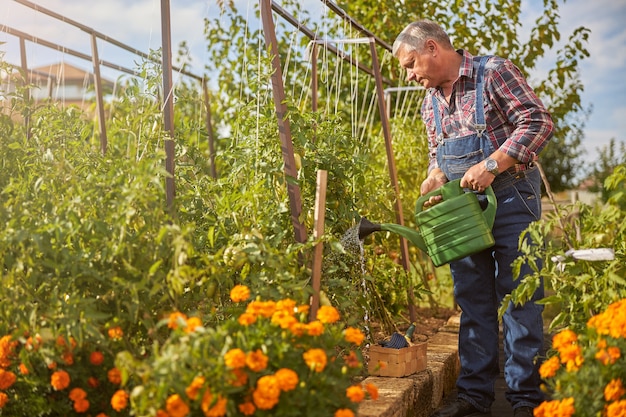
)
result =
(318, 232)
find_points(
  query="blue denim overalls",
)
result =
(483, 279)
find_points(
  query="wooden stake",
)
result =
(319, 216)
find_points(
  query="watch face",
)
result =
(491, 164)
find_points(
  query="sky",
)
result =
(137, 24)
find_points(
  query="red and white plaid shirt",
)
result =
(517, 122)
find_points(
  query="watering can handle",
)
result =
(453, 189)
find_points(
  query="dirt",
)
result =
(429, 321)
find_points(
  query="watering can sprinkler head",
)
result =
(366, 228)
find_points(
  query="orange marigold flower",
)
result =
(211, 408)
(116, 333)
(355, 393)
(52, 365)
(235, 358)
(315, 359)
(344, 412)
(23, 369)
(564, 338)
(287, 379)
(81, 406)
(104, 415)
(353, 335)
(176, 319)
(239, 293)
(96, 358)
(287, 305)
(93, 382)
(563, 408)
(267, 392)
(7, 347)
(256, 360)
(609, 355)
(175, 406)
(77, 394)
(304, 309)
(372, 390)
(352, 360)
(549, 367)
(246, 319)
(614, 390)
(612, 321)
(298, 328)
(261, 308)
(327, 314)
(193, 389)
(240, 378)
(616, 409)
(192, 324)
(4, 399)
(60, 380)
(119, 400)
(7, 378)
(115, 376)
(283, 319)
(67, 357)
(315, 328)
(161, 413)
(247, 408)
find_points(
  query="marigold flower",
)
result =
(609, 355)
(161, 413)
(564, 338)
(247, 408)
(327, 314)
(246, 319)
(298, 328)
(256, 360)
(352, 360)
(60, 380)
(287, 379)
(176, 319)
(4, 399)
(175, 406)
(81, 406)
(549, 367)
(353, 335)
(240, 378)
(344, 412)
(283, 319)
(119, 401)
(267, 392)
(96, 358)
(372, 390)
(93, 382)
(614, 390)
(612, 321)
(115, 376)
(616, 409)
(7, 347)
(239, 293)
(315, 359)
(77, 394)
(287, 305)
(116, 333)
(7, 378)
(192, 324)
(193, 389)
(563, 408)
(261, 308)
(315, 328)
(68, 357)
(355, 393)
(235, 358)
(23, 369)
(210, 409)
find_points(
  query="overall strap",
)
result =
(438, 128)
(479, 123)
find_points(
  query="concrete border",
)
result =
(419, 394)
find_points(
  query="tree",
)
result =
(609, 159)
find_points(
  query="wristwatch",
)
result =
(491, 165)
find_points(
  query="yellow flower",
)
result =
(287, 379)
(563, 408)
(256, 361)
(344, 412)
(548, 368)
(60, 380)
(7, 378)
(354, 335)
(176, 407)
(315, 359)
(235, 358)
(119, 400)
(239, 293)
(614, 390)
(327, 314)
(355, 393)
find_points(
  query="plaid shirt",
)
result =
(518, 124)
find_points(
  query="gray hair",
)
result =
(414, 36)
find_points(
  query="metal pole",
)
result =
(284, 130)
(99, 99)
(168, 102)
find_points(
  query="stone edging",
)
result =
(419, 394)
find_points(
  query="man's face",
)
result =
(419, 67)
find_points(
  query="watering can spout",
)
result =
(367, 227)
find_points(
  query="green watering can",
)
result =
(451, 229)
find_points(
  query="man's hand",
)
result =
(435, 179)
